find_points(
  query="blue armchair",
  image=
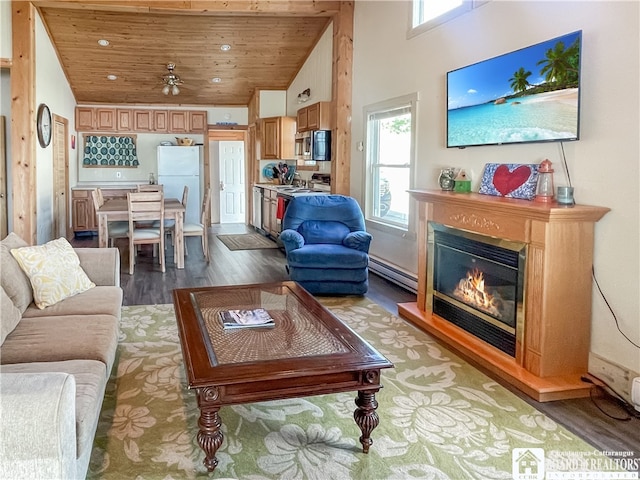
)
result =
(326, 244)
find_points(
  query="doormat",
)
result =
(247, 241)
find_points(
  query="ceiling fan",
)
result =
(171, 81)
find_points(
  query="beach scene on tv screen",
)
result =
(528, 95)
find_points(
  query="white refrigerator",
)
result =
(177, 167)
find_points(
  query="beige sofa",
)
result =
(54, 367)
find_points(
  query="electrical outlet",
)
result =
(118, 174)
(635, 393)
(614, 375)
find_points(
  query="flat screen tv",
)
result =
(529, 95)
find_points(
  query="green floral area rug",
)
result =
(440, 418)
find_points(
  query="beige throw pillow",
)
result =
(9, 315)
(54, 271)
(15, 283)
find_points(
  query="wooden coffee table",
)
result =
(308, 352)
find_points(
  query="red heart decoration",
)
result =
(506, 181)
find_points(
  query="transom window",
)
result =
(428, 14)
(390, 133)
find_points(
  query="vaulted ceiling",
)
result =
(269, 40)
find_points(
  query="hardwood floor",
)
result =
(148, 285)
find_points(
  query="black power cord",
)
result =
(609, 393)
(615, 318)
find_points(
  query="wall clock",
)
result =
(43, 123)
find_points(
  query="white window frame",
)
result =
(410, 100)
(423, 26)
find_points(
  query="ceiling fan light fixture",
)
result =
(171, 81)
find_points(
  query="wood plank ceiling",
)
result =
(267, 50)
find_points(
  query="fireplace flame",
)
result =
(471, 291)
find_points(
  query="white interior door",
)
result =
(232, 182)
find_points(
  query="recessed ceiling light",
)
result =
(103, 43)
(216, 79)
(225, 47)
(112, 77)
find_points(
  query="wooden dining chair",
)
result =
(170, 224)
(200, 229)
(115, 229)
(146, 207)
(147, 187)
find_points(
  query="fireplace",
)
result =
(507, 283)
(477, 282)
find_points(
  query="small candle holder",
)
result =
(564, 197)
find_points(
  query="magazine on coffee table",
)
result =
(258, 317)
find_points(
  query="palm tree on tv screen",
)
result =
(519, 81)
(561, 65)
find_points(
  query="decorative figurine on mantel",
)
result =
(447, 179)
(544, 190)
(462, 182)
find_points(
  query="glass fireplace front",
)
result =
(477, 282)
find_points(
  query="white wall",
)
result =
(315, 74)
(5, 111)
(603, 163)
(5, 30)
(51, 88)
(5, 92)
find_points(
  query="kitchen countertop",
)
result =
(290, 190)
(104, 185)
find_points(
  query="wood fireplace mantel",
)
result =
(557, 298)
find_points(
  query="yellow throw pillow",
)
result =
(54, 271)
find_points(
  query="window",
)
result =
(390, 133)
(428, 14)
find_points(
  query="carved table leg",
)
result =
(366, 417)
(210, 434)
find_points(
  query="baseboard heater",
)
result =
(393, 274)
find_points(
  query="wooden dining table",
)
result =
(117, 209)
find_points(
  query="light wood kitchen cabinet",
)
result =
(83, 214)
(314, 117)
(269, 210)
(142, 121)
(160, 121)
(85, 119)
(302, 119)
(102, 119)
(106, 119)
(178, 121)
(197, 122)
(123, 117)
(278, 137)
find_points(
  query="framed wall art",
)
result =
(115, 151)
(513, 180)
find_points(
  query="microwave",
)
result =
(314, 145)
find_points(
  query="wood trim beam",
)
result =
(5, 63)
(23, 121)
(342, 80)
(323, 8)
